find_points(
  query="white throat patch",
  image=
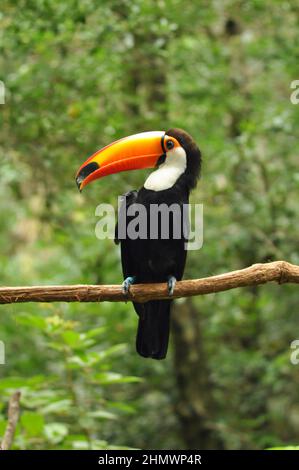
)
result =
(169, 172)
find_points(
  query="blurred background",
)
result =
(79, 75)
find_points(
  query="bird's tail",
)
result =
(153, 328)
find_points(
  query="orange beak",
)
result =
(135, 152)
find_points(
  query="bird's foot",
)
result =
(127, 283)
(171, 282)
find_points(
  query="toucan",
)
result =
(177, 162)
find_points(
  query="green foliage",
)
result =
(285, 448)
(79, 75)
(65, 407)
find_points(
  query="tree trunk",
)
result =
(194, 406)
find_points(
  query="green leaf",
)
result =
(60, 406)
(20, 382)
(124, 407)
(2, 425)
(95, 332)
(55, 432)
(106, 378)
(35, 321)
(33, 423)
(71, 338)
(284, 448)
(76, 441)
(12, 382)
(102, 414)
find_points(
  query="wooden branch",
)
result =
(13, 416)
(279, 271)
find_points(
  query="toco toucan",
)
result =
(177, 161)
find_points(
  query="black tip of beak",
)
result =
(78, 182)
(84, 172)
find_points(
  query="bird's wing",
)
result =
(128, 254)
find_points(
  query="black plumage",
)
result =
(155, 260)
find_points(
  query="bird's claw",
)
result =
(171, 282)
(127, 283)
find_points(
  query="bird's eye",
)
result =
(169, 144)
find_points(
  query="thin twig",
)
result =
(13, 416)
(278, 271)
